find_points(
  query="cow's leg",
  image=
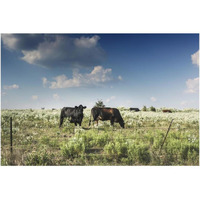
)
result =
(80, 121)
(112, 123)
(61, 121)
(95, 118)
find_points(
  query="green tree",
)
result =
(152, 109)
(144, 108)
(99, 104)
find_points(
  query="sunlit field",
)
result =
(38, 140)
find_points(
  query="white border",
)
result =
(103, 16)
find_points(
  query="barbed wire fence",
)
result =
(22, 147)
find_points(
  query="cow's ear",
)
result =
(84, 107)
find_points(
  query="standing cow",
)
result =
(75, 114)
(135, 109)
(104, 114)
(167, 111)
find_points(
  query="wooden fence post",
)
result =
(166, 135)
(11, 135)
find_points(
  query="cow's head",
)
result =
(122, 123)
(80, 108)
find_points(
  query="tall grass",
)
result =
(37, 139)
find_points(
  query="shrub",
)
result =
(39, 158)
(4, 162)
(152, 109)
(139, 154)
(117, 149)
(92, 139)
(189, 150)
(102, 139)
(74, 148)
(99, 104)
(144, 108)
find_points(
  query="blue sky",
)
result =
(131, 70)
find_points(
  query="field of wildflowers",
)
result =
(38, 140)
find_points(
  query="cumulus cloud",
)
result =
(96, 77)
(34, 97)
(192, 85)
(10, 87)
(110, 99)
(153, 99)
(86, 42)
(22, 41)
(56, 96)
(44, 81)
(195, 58)
(56, 50)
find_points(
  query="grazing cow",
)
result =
(75, 114)
(167, 111)
(104, 114)
(135, 109)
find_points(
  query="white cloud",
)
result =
(49, 50)
(32, 57)
(34, 97)
(87, 42)
(120, 78)
(9, 40)
(22, 41)
(195, 58)
(97, 76)
(192, 85)
(10, 87)
(44, 81)
(110, 99)
(153, 99)
(56, 96)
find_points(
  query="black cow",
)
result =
(135, 109)
(104, 114)
(75, 114)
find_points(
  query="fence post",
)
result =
(166, 135)
(11, 135)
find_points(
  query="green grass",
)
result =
(37, 139)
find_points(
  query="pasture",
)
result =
(37, 139)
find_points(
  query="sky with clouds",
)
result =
(131, 70)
